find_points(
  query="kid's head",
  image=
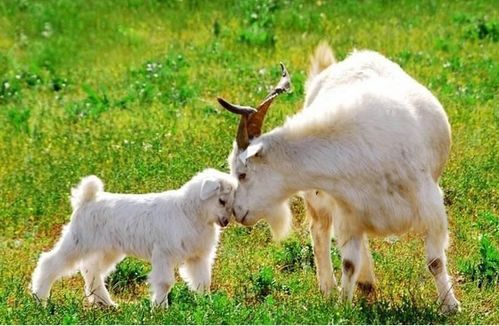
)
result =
(217, 194)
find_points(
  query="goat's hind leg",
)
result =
(54, 264)
(94, 271)
(436, 244)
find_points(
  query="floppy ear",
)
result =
(251, 151)
(209, 188)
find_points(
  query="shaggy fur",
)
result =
(374, 142)
(172, 228)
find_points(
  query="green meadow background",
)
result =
(126, 90)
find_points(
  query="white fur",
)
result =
(86, 191)
(374, 142)
(172, 228)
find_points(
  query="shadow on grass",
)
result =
(407, 310)
(18, 307)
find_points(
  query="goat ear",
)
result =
(209, 188)
(252, 150)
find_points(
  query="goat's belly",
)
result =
(387, 220)
(139, 252)
(387, 227)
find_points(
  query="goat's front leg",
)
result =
(321, 229)
(197, 273)
(161, 278)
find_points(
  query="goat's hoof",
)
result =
(346, 297)
(326, 292)
(450, 308)
(366, 288)
(161, 305)
(104, 304)
(40, 301)
(326, 288)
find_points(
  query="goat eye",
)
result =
(222, 202)
(242, 176)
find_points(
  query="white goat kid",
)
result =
(172, 228)
(373, 141)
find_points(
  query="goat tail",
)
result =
(86, 191)
(322, 58)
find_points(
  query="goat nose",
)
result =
(238, 212)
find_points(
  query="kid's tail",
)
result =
(86, 191)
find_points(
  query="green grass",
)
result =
(126, 90)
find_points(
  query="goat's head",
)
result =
(258, 194)
(216, 193)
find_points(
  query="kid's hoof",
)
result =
(161, 305)
(39, 301)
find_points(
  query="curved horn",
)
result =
(255, 120)
(237, 109)
(250, 125)
(242, 138)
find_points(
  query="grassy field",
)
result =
(126, 90)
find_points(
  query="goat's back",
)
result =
(366, 80)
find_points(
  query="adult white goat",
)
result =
(368, 148)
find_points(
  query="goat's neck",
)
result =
(190, 204)
(301, 162)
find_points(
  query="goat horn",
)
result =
(250, 125)
(237, 109)
(242, 138)
(255, 120)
